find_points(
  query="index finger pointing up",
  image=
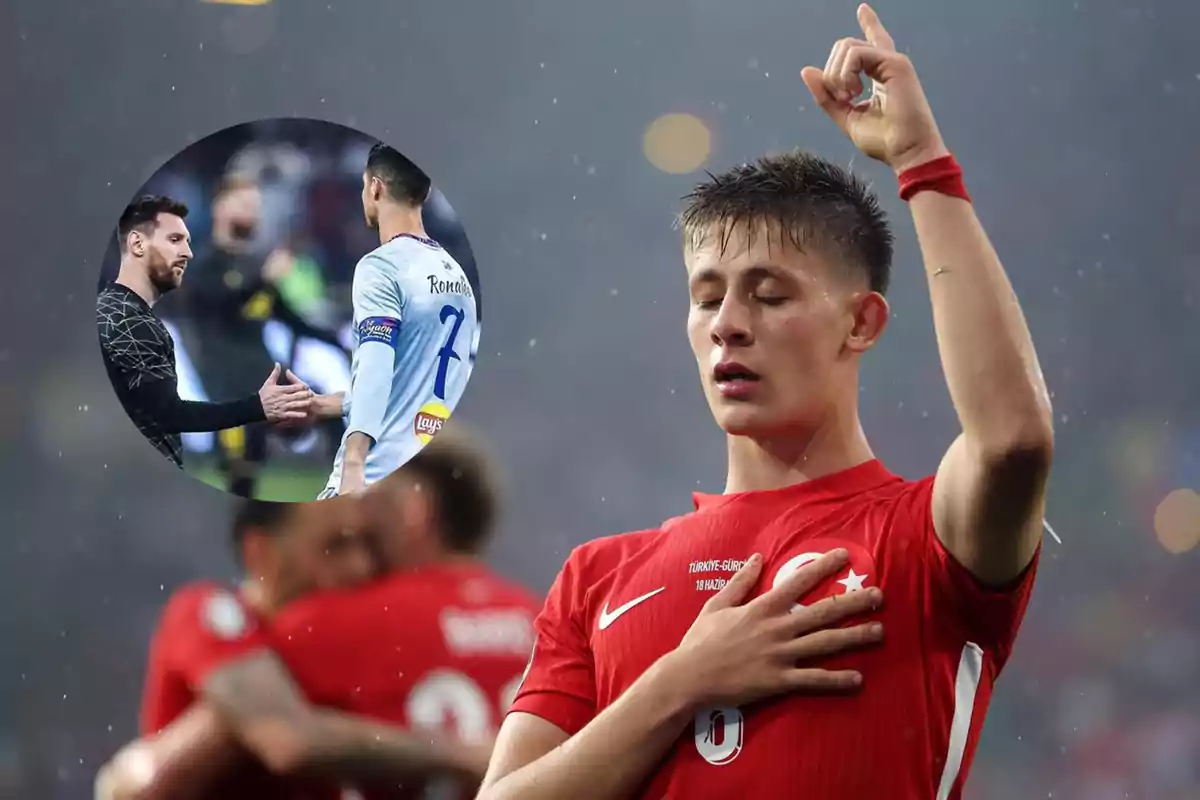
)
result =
(873, 29)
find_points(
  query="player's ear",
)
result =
(869, 317)
(135, 243)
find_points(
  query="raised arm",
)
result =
(989, 492)
(735, 652)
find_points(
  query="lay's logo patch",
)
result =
(379, 329)
(429, 421)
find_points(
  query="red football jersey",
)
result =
(204, 627)
(622, 602)
(442, 647)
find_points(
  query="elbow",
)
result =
(1025, 439)
(1026, 450)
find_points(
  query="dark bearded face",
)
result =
(167, 252)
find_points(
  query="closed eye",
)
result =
(708, 304)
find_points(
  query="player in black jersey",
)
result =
(139, 353)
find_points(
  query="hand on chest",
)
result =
(644, 608)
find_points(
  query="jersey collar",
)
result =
(859, 478)
(415, 238)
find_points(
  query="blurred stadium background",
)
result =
(308, 174)
(1081, 154)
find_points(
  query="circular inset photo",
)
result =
(289, 310)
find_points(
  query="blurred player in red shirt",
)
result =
(440, 645)
(651, 676)
(212, 642)
(286, 551)
(437, 647)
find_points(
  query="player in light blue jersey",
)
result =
(416, 323)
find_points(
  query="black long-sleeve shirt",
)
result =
(139, 355)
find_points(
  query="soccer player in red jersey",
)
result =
(286, 551)
(212, 644)
(643, 683)
(437, 647)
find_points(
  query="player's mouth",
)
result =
(735, 381)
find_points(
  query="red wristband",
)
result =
(942, 175)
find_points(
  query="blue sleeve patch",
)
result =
(379, 329)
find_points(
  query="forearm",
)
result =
(369, 393)
(330, 406)
(294, 739)
(175, 415)
(185, 760)
(348, 748)
(987, 353)
(615, 752)
(358, 444)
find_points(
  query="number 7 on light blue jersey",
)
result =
(447, 353)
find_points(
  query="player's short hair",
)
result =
(464, 485)
(262, 516)
(811, 201)
(142, 215)
(405, 182)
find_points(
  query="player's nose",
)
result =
(731, 324)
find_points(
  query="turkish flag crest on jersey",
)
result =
(859, 574)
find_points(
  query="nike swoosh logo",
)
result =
(608, 618)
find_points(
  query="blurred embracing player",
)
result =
(207, 631)
(416, 321)
(440, 645)
(653, 675)
(436, 647)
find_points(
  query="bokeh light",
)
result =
(1177, 521)
(677, 143)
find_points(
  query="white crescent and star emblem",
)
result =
(852, 581)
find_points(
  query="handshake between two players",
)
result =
(293, 403)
